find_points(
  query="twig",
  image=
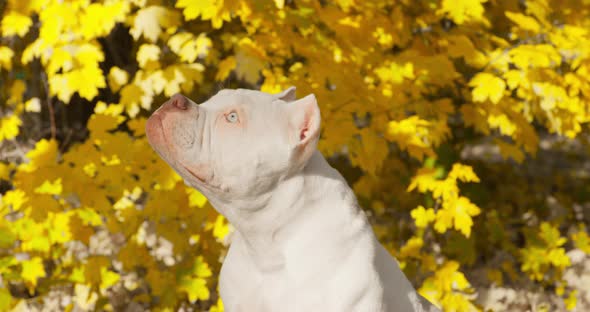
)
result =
(66, 141)
(51, 117)
(52, 126)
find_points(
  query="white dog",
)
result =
(301, 243)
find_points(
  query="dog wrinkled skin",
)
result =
(301, 243)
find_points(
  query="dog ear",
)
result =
(304, 127)
(288, 95)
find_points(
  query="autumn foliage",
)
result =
(408, 91)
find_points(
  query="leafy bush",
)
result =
(411, 93)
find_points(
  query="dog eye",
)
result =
(232, 117)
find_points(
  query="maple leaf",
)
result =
(196, 199)
(9, 127)
(207, 9)
(462, 11)
(42, 155)
(463, 173)
(422, 216)
(371, 150)
(50, 188)
(32, 270)
(17, 90)
(411, 134)
(148, 54)
(196, 288)
(457, 214)
(15, 23)
(539, 55)
(33, 105)
(6, 55)
(250, 60)
(6, 299)
(523, 21)
(150, 21)
(395, 73)
(7, 238)
(487, 86)
(218, 307)
(117, 78)
(508, 150)
(581, 240)
(99, 19)
(225, 67)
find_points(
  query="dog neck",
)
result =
(266, 223)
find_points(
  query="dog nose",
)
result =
(179, 101)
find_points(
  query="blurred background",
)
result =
(462, 126)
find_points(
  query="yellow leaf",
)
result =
(463, 173)
(108, 278)
(117, 78)
(5, 170)
(395, 73)
(131, 96)
(6, 301)
(539, 55)
(93, 269)
(15, 23)
(196, 288)
(571, 300)
(457, 214)
(225, 67)
(150, 21)
(508, 150)
(424, 180)
(422, 216)
(17, 90)
(221, 228)
(101, 123)
(582, 240)
(33, 105)
(516, 78)
(369, 151)
(190, 48)
(43, 155)
(523, 21)
(487, 86)
(32, 270)
(14, 198)
(207, 9)
(137, 125)
(196, 199)
(99, 19)
(218, 307)
(59, 231)
(250, 60)
(201, 268)
(84, 297)
(6, 55)
(412, 248)
(50, 188)
(411, 134)
(9, 127)
(87, 81)
(148, 54)
(461, 11)
(89, 216)
(279, 4)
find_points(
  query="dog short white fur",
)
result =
(301, 242)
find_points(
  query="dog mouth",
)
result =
(164, 149)
(197, 176)
(206, 181)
